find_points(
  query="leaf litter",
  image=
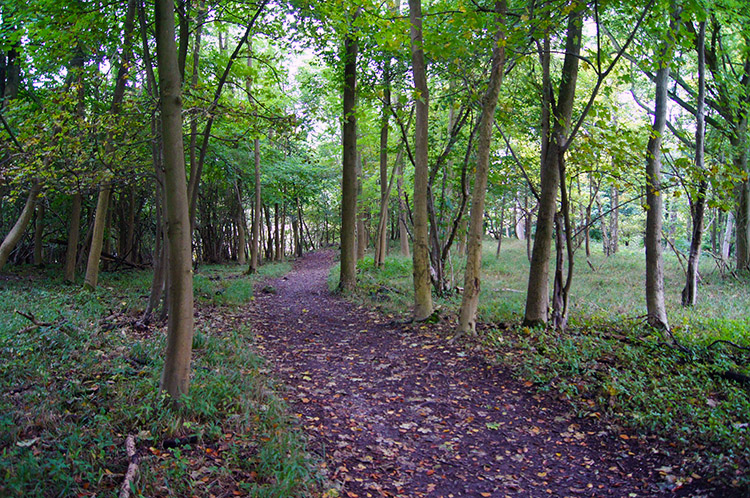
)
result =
(394, 410)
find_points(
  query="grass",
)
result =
(72, 391)
(608, 364)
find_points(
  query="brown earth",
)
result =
(393, 409)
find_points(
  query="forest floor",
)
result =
(394, 409)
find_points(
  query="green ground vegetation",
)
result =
(608, 364)
(72, 390)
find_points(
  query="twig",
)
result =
(132, 467)
(30, 316)
(677, 253)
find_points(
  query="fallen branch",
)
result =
(724, 341)
(30, 316)
(34, 321)
(132, 467)
(121, 261)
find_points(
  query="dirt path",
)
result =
(393, 410)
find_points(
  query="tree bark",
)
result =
(97, 238)
(74, 233)
(472, 278)
(39, 234)
(421, 255)
(257, 219)
(176, 373)
(361, 230)
(15, 234)
(102, 204)
(403, 233)
(348, 276)
(537, 297)
(726, 239)
(241, 227)
(690, 291)
(656, 310)
(381, 243)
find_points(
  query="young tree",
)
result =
(175, 376)
(555, 135)
(348, 275)
(421, 256)
(470, 301)
(657, 313)
(698, 204)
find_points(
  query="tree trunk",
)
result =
(74, 233)
(130, 253)
(403, 232)
(97, 238)
(39, 234)
(241, 228)
(257, 218)
(614, 222)
(726, 239)
(742, 196)
(472, 279)
(277, 234)
(348, 275)
(421, 257)
(656, 310)
(160, 253)
(690, 291)
(176, 374)
(15, 234)
(102, 204)
(381, 242)
(537, 297)
(361, 230)
(501, 229)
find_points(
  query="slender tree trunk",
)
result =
(726, 239)
(348, 275)
(742, 196)
(501, 228)
(381, 243)
(97, 238)
(403, 233)
(175, 376)
(241, 228)
(361, 230)
(160, 254)
(690, 291)
(15, 234)
(74, 233)
(39, 234)
(257, 219)
(527, 222)
(614, 222)
(472, 280)
(282, 233)
(421, 257)
(102, 204)
(715, 231)
(129, 253)
(537, 297)
(657, 313)
(276, 233)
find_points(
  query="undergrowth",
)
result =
(608, 364)
(72, 390)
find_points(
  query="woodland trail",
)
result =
(394, 410)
